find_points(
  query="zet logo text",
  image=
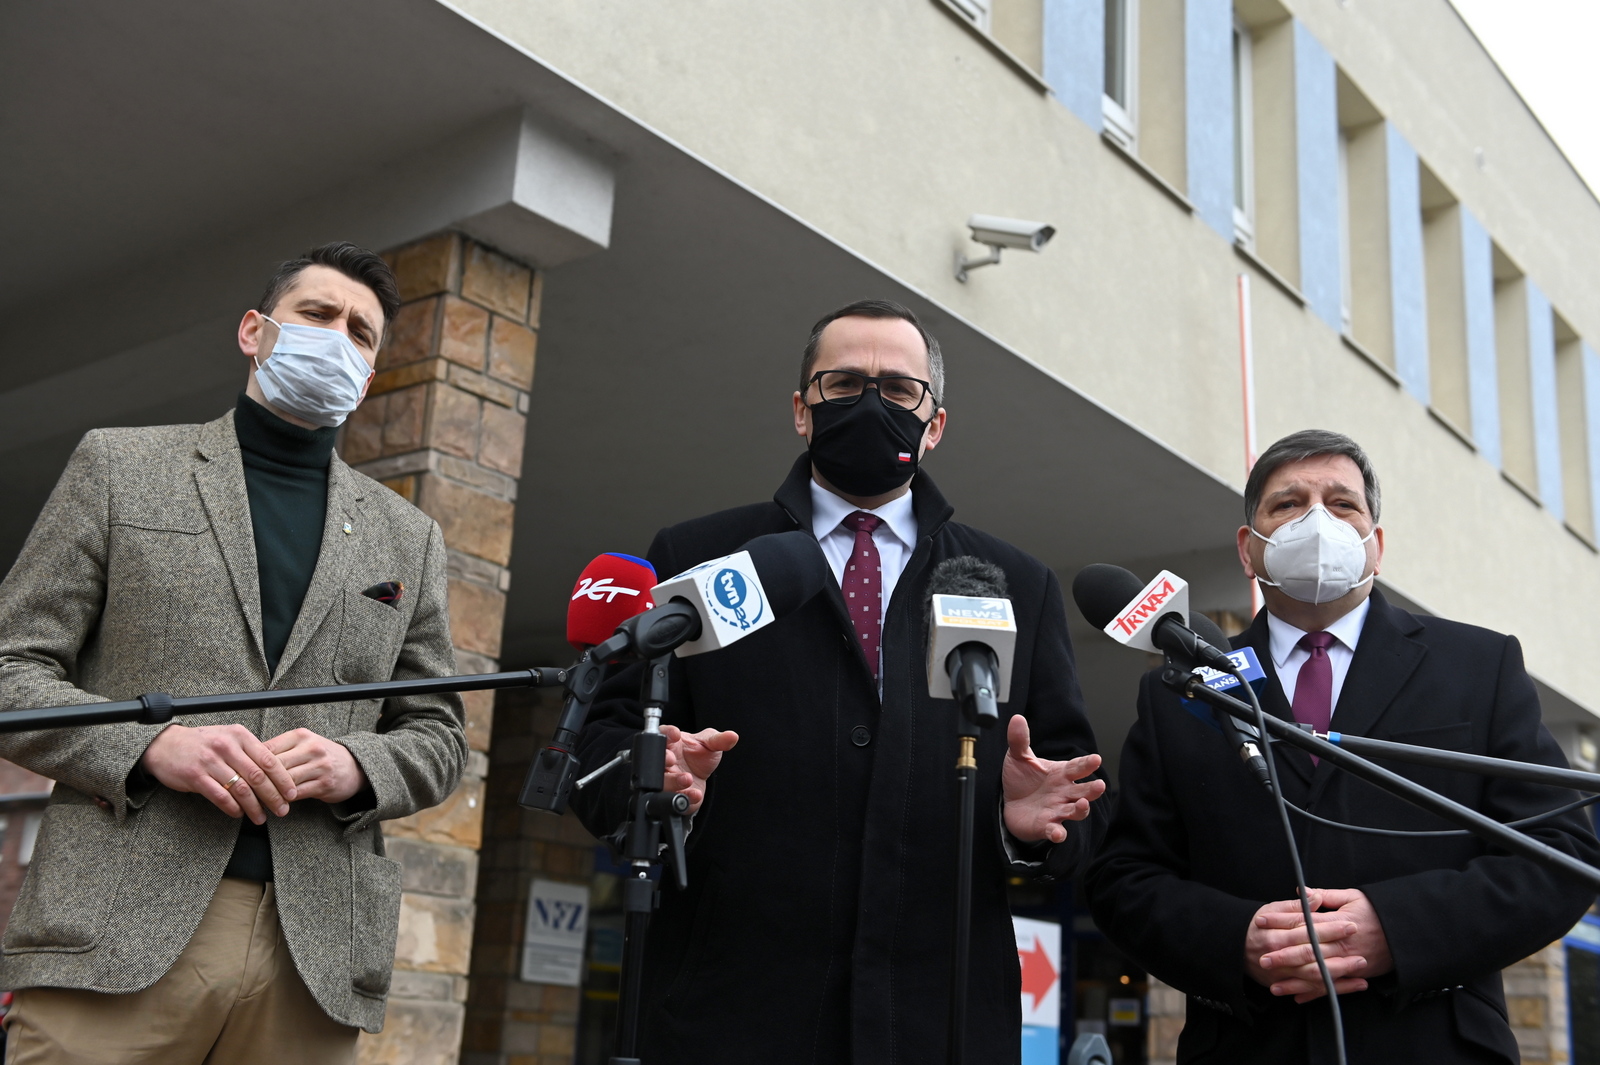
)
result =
(589, 588)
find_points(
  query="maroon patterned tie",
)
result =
(863, 586)
(1313, 690)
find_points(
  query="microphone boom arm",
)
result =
(1485, 827)
(157, 708)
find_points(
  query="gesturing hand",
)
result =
(224, 763)
(1040, 794)
(321, 768)
(690, 759)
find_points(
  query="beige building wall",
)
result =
(1134, 304)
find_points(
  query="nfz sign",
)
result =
(553, 937)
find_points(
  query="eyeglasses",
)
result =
(845, 387)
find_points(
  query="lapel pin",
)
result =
(347, 528)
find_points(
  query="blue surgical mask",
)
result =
(315, 374)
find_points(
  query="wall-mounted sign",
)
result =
(552, 939)
(1039, 954)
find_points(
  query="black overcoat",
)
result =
(817, 924)
(1196, 848)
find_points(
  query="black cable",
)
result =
(1299, 874)
(1587, 800)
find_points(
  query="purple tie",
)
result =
(1313, 690)
(863, 586)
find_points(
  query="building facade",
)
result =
(613, 223)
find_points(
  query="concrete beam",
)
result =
(514, 182)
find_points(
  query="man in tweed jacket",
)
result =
(197, 559)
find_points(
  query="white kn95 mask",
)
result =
(1316, 558)
(313, 373)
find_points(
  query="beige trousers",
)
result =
(233, 997)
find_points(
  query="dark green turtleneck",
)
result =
(286, 475)
(286, 478)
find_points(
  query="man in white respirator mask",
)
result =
(1193, 881)
(215, 889)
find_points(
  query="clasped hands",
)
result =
(1039, 794)
(244, 776)
(1277, 948)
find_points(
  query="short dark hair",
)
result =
(353, 261)
(876, 309)
(1309, 444)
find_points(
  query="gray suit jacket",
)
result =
(140, 576)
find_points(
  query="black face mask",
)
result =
(866, 448)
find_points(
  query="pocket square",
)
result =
(386, 592)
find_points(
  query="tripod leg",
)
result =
(638, 899)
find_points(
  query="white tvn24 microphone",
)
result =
(738, 594)
(972, 636)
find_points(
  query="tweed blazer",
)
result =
(140, 576)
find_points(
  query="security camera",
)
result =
(999, 233)
(1010, 232)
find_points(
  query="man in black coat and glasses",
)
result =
(818, 923)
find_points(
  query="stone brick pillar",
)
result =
(443, 425)
(510, 1022)
(1536, 1003)
(1164, 1013)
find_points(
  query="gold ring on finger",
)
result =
(231, 782)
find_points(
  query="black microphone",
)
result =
(1118, 603)
(971, 636)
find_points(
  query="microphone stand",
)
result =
(1484, 827)
(967, 786)
(651, 636)
(157, 708)
(651, 809)
(975, 684)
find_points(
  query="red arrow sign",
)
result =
(1038, 975)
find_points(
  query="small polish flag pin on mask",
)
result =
(905, 456)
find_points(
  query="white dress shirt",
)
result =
(895, 537)
(1288, 656)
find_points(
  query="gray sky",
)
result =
(1547, 48)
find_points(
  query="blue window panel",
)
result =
(1075, 55)
(1407, 285)
(1483, 375)
(1316, 120)
(1591, 417)
(1208, 91)
(1585, 935)
(1546, 407)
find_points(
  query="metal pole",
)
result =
(1412, 792)
(155, 708)
(967, 782)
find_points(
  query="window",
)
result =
(1244, 193)
(1346, 273)
(978, 11)
(1122, 77)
